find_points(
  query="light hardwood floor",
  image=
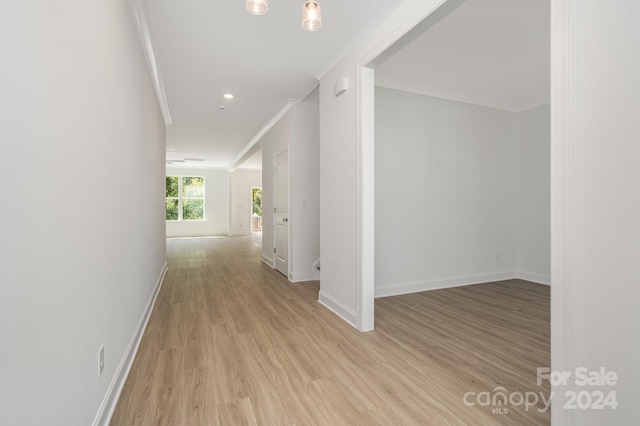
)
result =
(232, 342)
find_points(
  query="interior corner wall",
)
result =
(279, 137)
(305, 189)
(445, 193)
(216, 198)
(532, 131)
(82, 232)
(240, 203)
(339, 193)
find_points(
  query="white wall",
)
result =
(240, 203)
(345, 129)
(305, 190)
(298, 132)
(533, 177)
(457, 187)
(82, 232)
(606, 202)
(445, 193)
(339, 195)
(603, 216)
(216, 198)
(277, 138)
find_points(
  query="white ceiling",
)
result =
(488, 52)
(205, 48)
(493, 52)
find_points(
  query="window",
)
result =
(185, 198)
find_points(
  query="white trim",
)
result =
(142, 26)
(298, 278)
(240, 233)
(563, 141)
(408, 15)
(110, 400)
(184, 237)
(441, 283)
(534, 277)
(251, 147)
(401, 21)
(453, 95)
(365, 166)
(269, 261)
(338, 308)
(380, 33)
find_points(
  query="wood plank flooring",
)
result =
(232, 342)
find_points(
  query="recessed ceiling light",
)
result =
(222, 107)
(228, 95)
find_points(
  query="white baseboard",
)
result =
(296, 278)
(534, 277)
(440, 283)
(238, 234)
(189, 237)
(269, 261)
(181, 237)
(338, 308)
(110, 400)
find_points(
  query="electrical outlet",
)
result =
(100, 360)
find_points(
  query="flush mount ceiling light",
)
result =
(311, 15)
(228, 96)
(257, 7)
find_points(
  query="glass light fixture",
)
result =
(257, 7)
(311, 16)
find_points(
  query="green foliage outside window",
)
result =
(193, 187)
(185, 198)
(257, 200)
(192, 210)
(172, 194)
(172, 209)
(172, 187)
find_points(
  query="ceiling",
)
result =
(489, 52)
(205, 48)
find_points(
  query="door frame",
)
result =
(274, 194)
(563, 142)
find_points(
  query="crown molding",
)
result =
(454, 95)
(140, 18)
(252, 146)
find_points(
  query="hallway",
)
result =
(231, 341)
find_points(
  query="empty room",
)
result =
(325, 212)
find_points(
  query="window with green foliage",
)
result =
(185, 198)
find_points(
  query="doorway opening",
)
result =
(256, 210)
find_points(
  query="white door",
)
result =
(281, 187)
